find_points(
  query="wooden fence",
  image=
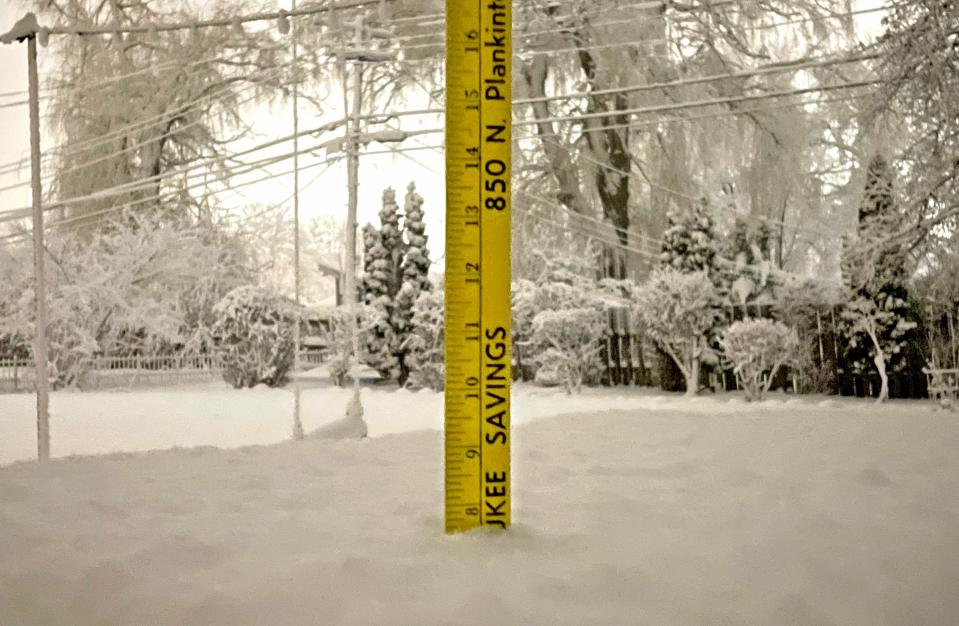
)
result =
(109, 372)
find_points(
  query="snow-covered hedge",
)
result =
(255, 330)
(757, 349)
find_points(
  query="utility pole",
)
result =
(40, 293)
(26, 29)
(355, 407)
(297, 423)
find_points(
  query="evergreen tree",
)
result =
(689, 243)
(379, 283)
(877, 317)
(415, 276)
(396, 265)
(372, 283)
(391, 237)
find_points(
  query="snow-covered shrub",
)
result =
(338, 338)
(678, 310)
(424, 350)
(568, 342)
(255, 331)
(757, 349)
(132, 286)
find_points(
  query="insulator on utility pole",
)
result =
(283, 23)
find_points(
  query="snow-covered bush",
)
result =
(757, 349)
(567, 342)
(255, 331)
(678, 310)
(133, 286)
(424, 350)
(340, 346)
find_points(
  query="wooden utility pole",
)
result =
(297, 422)
(26, 29)
(40, 287)
(355, 407)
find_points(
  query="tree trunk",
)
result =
(880, 362)
(692, 378)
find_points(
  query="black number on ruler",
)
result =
(472, 381)
(472, 453)
(472, 510)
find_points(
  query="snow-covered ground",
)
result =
(212, 414)
(671, 511)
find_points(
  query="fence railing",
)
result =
(128, 371)
(16, 374)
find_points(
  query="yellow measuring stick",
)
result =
(477, 424)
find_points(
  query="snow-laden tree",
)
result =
(383, 254)
(378, 340)
(132, 288)
(424, 350)
(605, 162)
(757, 349)
(876, 273)
(689, 243)
(917, 102)
(255, 330)
(133, 108)
(414, 268)
(678, 310)
(551, 353)
(397, 266)
(373, 281)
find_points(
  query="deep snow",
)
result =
(212, 414)
(673, 512)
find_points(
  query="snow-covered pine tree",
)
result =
(689, 243)
(877, 317)
(371, 285)
(415, 269)
(391, 237)
(396, 267)
(383, 252)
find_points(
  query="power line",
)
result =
(219, 22)
(772, 68)
(694, 104)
